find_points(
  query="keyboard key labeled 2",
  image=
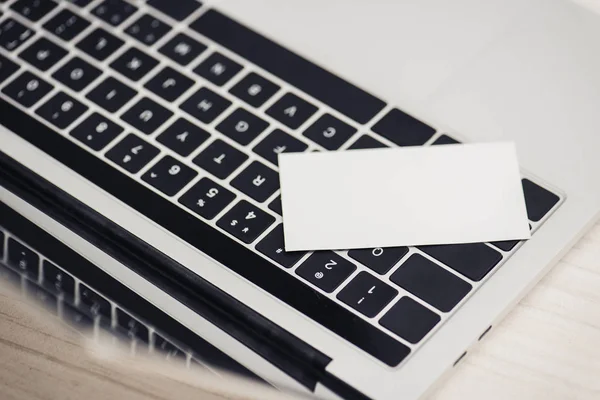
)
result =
(326, 270)
(245, 221)
(367, 294)
(169, 175)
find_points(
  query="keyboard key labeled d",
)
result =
(242, 126)
(218, 69)
(205, 105)
(380, 260)
(23, 259)
(146, 115)
(169, 175)
(96, 131)
(409, 320)
(276, 143)
(220, 159)
(272, 246)
(257, 181)
(291, 110)
(183, 137)
(61, 110)
(403, 129)
(367, 294)
(169, 84)
(245, 221)
(207, 198)
(329, 132)
(132, 153)
(27, 89)
(326, 270)
(254, 89)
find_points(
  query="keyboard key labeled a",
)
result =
(380, 260)
(180, 12)
(134, 64)
(207, 198)
(100, 44)
(7, 68)
(146, 115)
(409, 320)
(291, 110)
(132, 153)
(329, 132)
(23, 259)
(77, 74)
(538, 200)
(148, 29)
(183, 137)
(169, 175)
(257, 181)
(220, 159)
(58, 282)
(367, 294)
(326, 270)
(242, 126)
(13, 34)
(245, 221)
(403, 129)
(111, 94)
(272, 247)
(276, 143)
(169, 84)
(218, 69)
(182, 49)
(254, 89)
(93, 303)
(114, 11)
(43, 54)
(41, 296)
(473, 260)
(61, 110)
(33, 10)
(96, 131)
(205, 105)
(27, 89)
(66, 25)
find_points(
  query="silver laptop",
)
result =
(142, 136)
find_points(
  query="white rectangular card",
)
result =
(446, 194)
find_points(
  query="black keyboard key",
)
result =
(96, 131)
(100, 44)
(445, 139)
(276, 143)
(134, 64)
(275, 205)
(10, 276)
(182, 49)
(329, 132)
(169, 84)
(146, 115)
(220, 159)
(326, 270)
(430, 282)
(43, 54)
(33, 10)
(403, 129)
(7, 68)
(473, 260)
(506, 245)
(58, 282)
(183, 137)
(254, 89)
(205, 105)
(242, 126)
(133, 328)
(168, 350)
(80, 3)
(169, 175)
(206, 198)
(148, 29)
(94, 304)
(77, 74)
(132, 153)
(23, 259)
(245, 221)
(367, 294)
(299, 72)
(291, 110)
(13, 34)
(111, 94)
(179, 11)
(257, 181)
(1, 245)
(77, 319)
(66, 25)
(538, 200)
(114, 11)
(366, 142)
(380, 260)
(218, 69)
(272, 246)
(27, 89)
(41, 296)
(61, 110)
(410, 320)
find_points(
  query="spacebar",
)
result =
(205, 238)
(337, 93)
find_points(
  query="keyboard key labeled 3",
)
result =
(326, 270)
(329, 132)
(380, 260)
(410, 320)
(207, 198)
(291, 110)
(367, 294)
(272, 247)
(257, 181)
(403, 129)
(169, 175)
(254, 89)
(473, 260)
(245, 221)
(220, 159)
(61, 110)
(132, 153)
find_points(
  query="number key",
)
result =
(23, 259)
(61, 110)
(27, 89)
(257, 181)
(13, 34)
(380, 260)
(245, 221)
(367, 294)
(272, 247)
(169, 175)
(148, 29)
(96, 131)
(132, 153)
(33, 9)
(326, 270)
(220, 159)
(66, 25)
(206, 198)
(58, 282)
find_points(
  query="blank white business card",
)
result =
(460, 193)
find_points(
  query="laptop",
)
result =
(139, 187)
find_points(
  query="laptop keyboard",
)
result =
(198, 111)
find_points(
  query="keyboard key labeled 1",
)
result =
(96, 131)
(367, 294)
(257, 181)
(326, 270)
(169, 175)
(245, 221)
(272, 247)
(207, 198)
(132, 153)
